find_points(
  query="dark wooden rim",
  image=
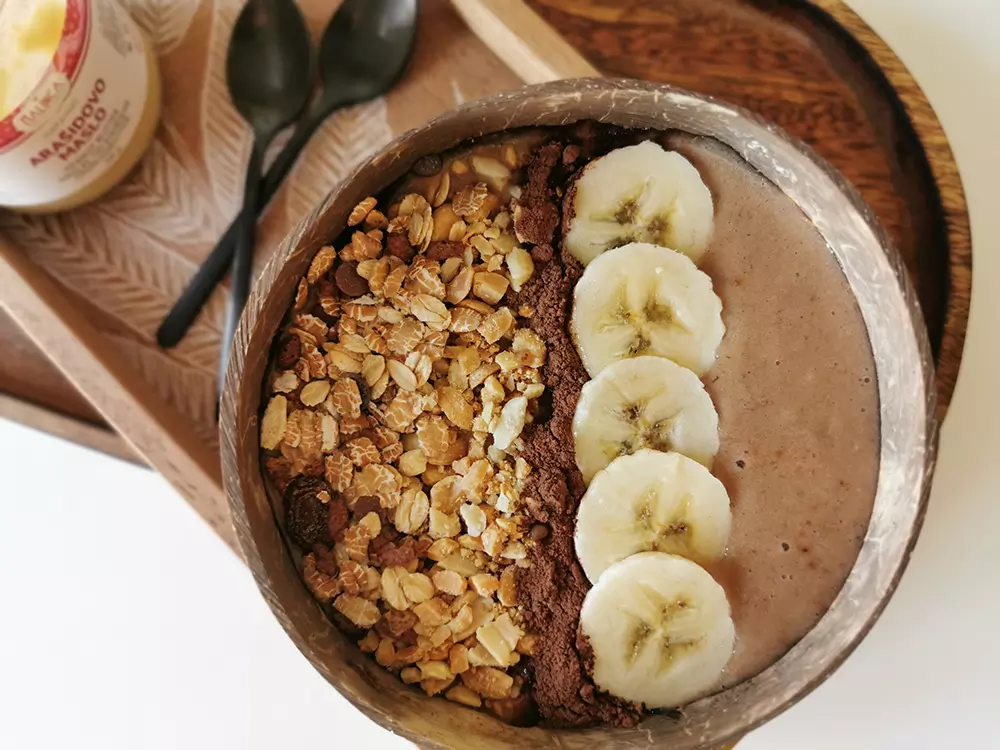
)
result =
(944, 170)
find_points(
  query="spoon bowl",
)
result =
(268, 65)
(363, 52)
(388, 27)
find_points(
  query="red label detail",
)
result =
(67, 59)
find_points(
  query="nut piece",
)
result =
(507, 594)
(520, 266)
(474, 517)
(494, 172)
(432, 613)
(484, 584)
(465, 696)
(489, 287)
(511, 422)
(529, 348)
(458, 658)
(273, 423)
(449, 582)
(412, 463)
(443, 525)
(500, 638)
(488, 682)
(286, 382)
(410, 675)
(495, 326)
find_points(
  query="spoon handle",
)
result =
(246, 232)
(182, 315)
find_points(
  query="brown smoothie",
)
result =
(794, 385)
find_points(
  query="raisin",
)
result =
(289, 350)
(306, 514)
(429, 165)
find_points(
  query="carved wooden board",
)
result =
(123, 261)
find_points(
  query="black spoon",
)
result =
(269, 74)
(364, 50)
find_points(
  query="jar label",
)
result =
(82, 112)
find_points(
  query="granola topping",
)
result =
(397, 401)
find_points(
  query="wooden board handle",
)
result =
(157, 432)
(523, 40)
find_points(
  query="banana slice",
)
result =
(645, 402)
(660, 630)
(639, 193)
(644, 299)
(663, 502)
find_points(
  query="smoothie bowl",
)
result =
(596, 412)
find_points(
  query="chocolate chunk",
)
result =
(442, 250)
(305, 512)
(398, 245)
(348, 280)
(289, 350)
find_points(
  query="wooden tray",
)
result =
(91, 285)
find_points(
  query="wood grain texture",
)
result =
(121, 262)
(519, 37)
(162, 437)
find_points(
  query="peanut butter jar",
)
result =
(79, 101)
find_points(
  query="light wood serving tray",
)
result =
(89, 287)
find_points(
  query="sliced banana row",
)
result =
(647, 323)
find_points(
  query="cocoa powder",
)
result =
(552, 589)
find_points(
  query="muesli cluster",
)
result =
(398, 392)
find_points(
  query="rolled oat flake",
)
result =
(79, 101)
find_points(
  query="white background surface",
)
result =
(126, 624)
